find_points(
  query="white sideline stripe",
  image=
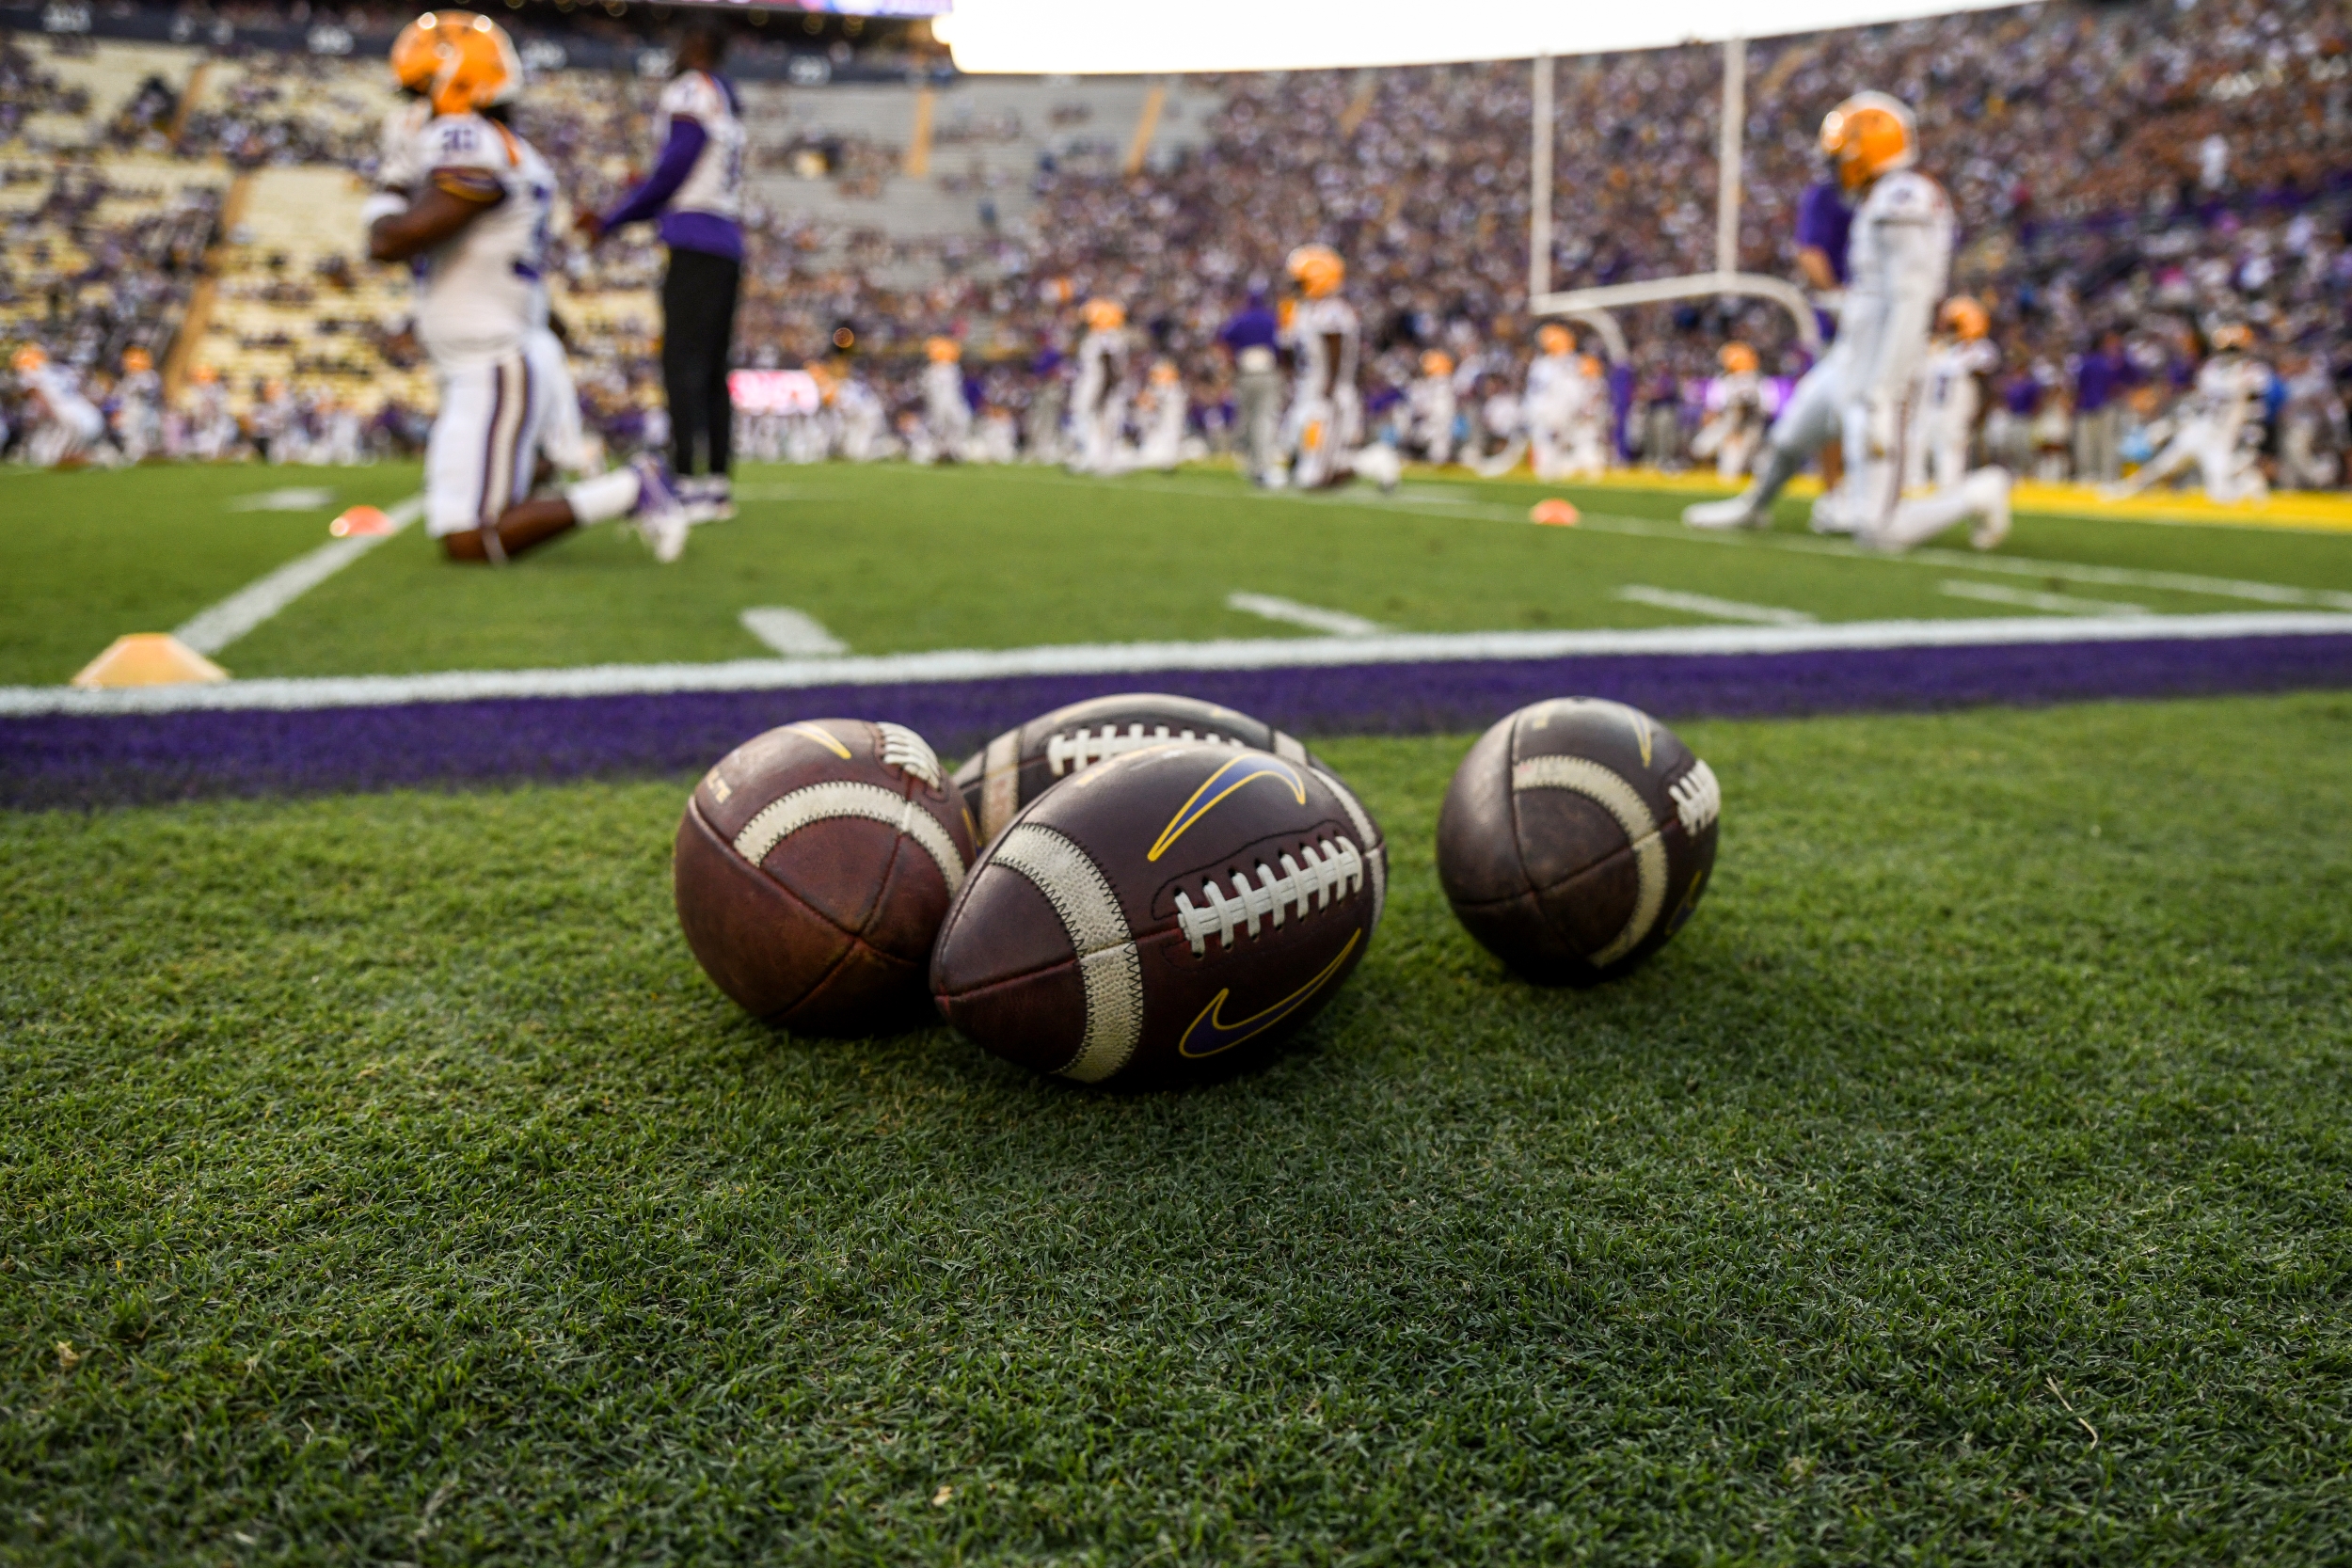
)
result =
(1706, 604)
(282, 500)
(208, 631)
(1120, 658)
(793, 632)
(2026, 598)
(1333, 622)
(1650, 527)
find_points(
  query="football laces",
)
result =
(1317, 876)
(908, 752)
(1075, 751)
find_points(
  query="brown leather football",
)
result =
(1167, 914)
(1576, 839)
(814, 866)
(1020, 765)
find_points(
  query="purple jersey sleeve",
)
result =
(1823, 223)
(687, 139)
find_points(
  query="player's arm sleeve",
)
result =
(686, 143)
(1917, 278)
(476, 185)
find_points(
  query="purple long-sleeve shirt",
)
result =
(680, 231)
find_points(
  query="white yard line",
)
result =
(1707, 604)
(210, 630)
(284, 500)
(1651, 527)
(793, 633)
(1332, 622)
(1125, 659)
(2026, 598)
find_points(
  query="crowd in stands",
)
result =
(2149, 169)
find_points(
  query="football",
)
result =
(1576, 839)
(1020, 765)
(1167, 914)
(814, 865)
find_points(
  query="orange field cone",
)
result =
(148, 658)
(1552, 513)
(360, 522)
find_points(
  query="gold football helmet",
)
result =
(459, 62)
(1867, 135)
(1317, 270)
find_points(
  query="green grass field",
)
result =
(1968, 1183)
(898, 558)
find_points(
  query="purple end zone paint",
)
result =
(79, 761)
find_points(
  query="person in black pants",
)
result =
(695, 192)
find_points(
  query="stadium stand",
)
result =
(2138, 166)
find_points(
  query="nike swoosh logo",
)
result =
(1210, 1034)
(1226, 780)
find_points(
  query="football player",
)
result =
(1898, 259)
(1589, 413)
(1099, 404)
(1327, 414)
(1951, 399)
(1735, 426)
(64, 428)
(946, 414)
(1163, 415)
(695, 191)
(864, 423)
(477, 218)
(2231, 388)
(1431, 407)
(138, 407)
(1548, 406)
(212, 430)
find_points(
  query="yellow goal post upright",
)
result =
(1593, 306)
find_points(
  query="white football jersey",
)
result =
(943, 388)
(1316, 321)
(1102, 364)
(1549, 378)
(1898, 260)
(1431, 401)
(2230, 388)
(1949, 380)
(480, 294)
(57, 386)
(715, 183)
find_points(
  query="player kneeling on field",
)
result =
(1326, 416)
(477, 212)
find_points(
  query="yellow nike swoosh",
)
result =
(1210, 1034)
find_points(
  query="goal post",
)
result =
(1593, 306)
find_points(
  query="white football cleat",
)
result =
(1989, 489)
(661, 519)
(1738, 511)
(1829, 517)
(1380, 464)
(707, 499)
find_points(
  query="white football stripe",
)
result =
(1000, 783)
(1707, 604)
(2027, 598)
(1375, 848)
(794, 633)
(782, 818)
(210, 630)
(1109, 965)
(1589, 779)
(289, 693)
(1332, 622)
